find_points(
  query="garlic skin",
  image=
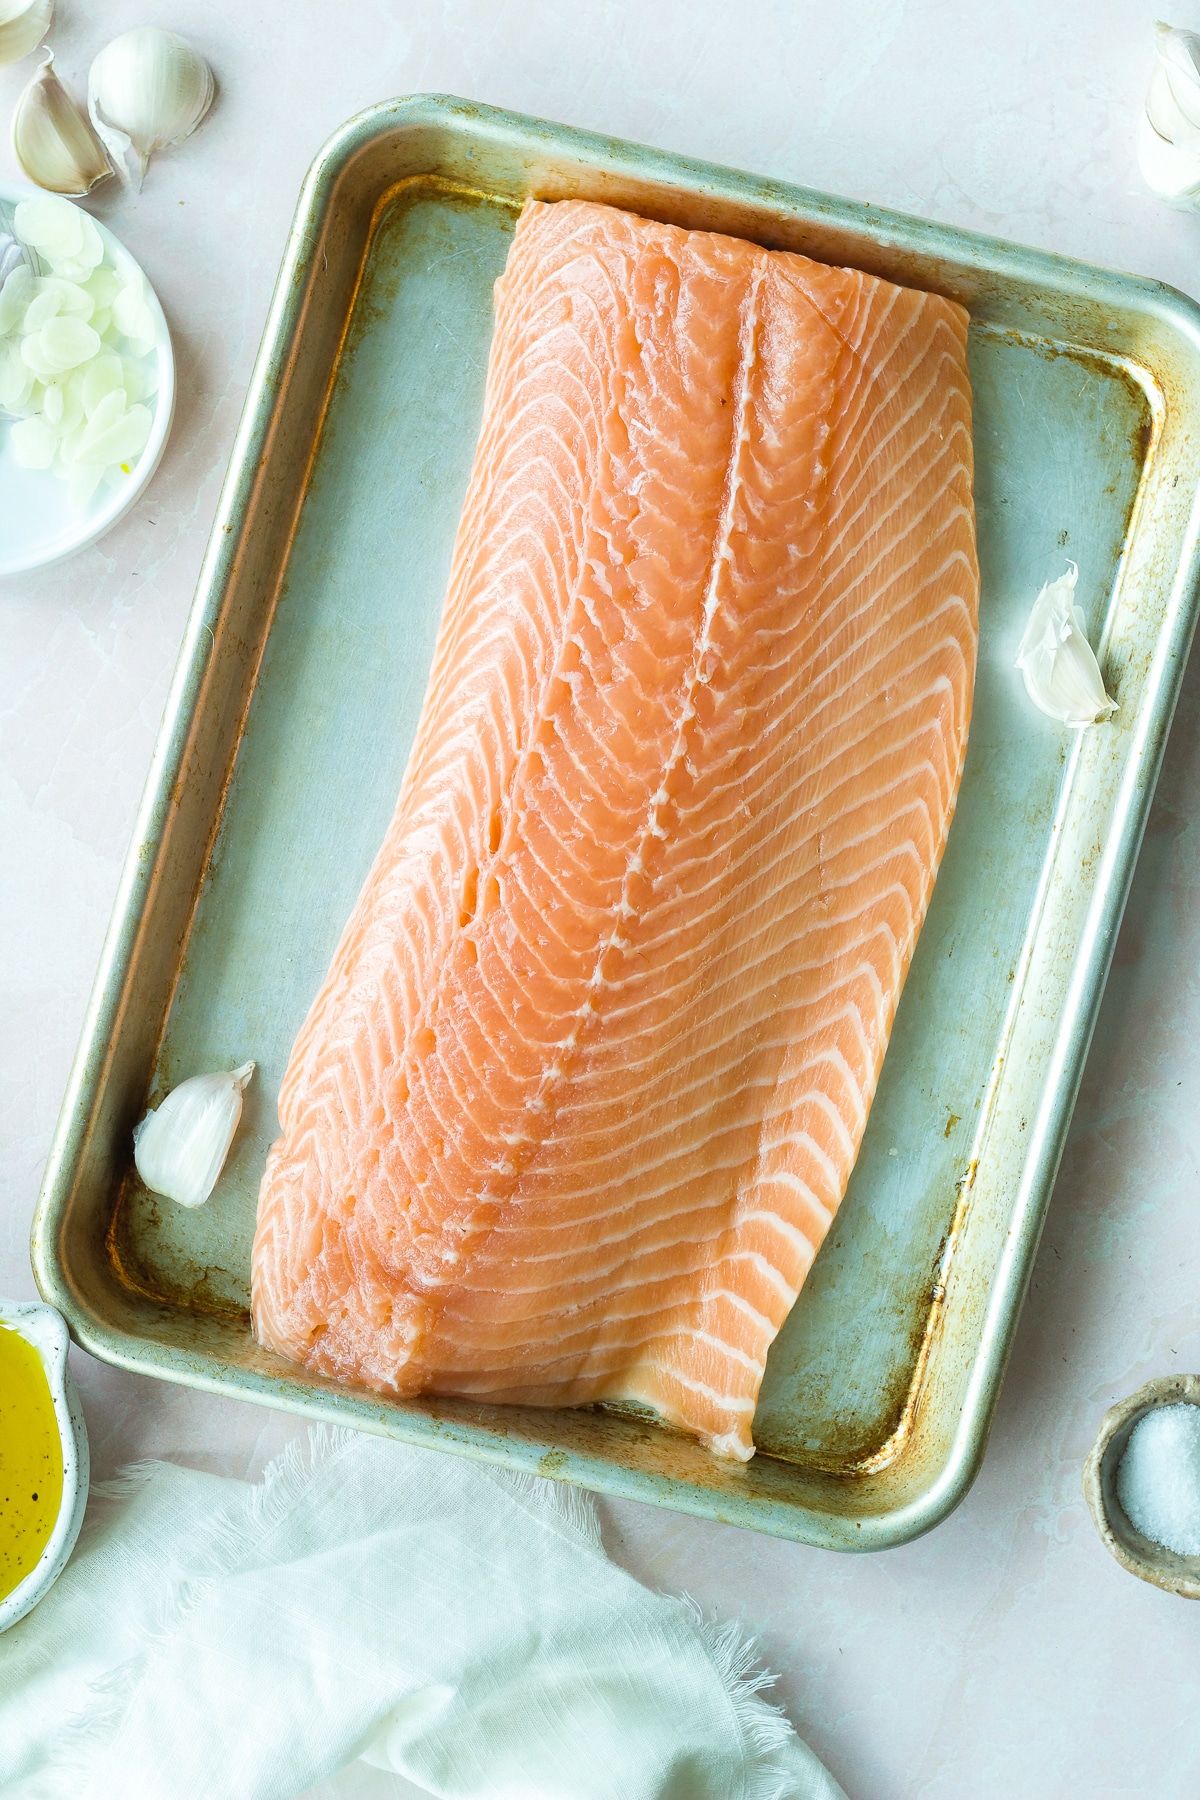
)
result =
(1058, 665)
(180, 1149)
(52, 140)
(23, 25)
(147, 89)
(1169, 129)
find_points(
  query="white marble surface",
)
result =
(1005, 1654)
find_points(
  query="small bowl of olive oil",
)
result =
(43, 1456)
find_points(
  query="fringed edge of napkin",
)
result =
(735, 1656)
(765, 1728)
(224, 1543)
(733, 1652)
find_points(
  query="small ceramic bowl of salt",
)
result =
(1142, 1483)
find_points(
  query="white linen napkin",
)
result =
(217, 1640)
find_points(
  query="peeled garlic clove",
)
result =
(52, 140)
(1173, 100)
(181, 1148)
(23, 25)
(1169, 129)
(1057, 663)
(147, 89)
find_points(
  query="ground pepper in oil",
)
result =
(31, 1464)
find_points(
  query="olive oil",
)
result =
(31, 1464)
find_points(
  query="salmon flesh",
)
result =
(583, 1088)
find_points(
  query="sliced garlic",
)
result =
(23, 25)
(1058, 665)
(77, 352)
(52, 140)
(180, 1149)
(15, 296)
(132, 315)
(146, 90)
(1169, 129)
(12, 254)
(64, 237)
(16, 379)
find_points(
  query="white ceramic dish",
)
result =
(38, 524)
(46, 1330)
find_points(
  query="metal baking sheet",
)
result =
(289, 721)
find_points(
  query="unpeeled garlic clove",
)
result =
(147, 89)
(1169, 129)
(1058, 665)
(52, 140)
(180, 1149)
(23, 25)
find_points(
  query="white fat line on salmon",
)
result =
(787, 1047)
(699, 1336)
(728, 1444)
(775, 760)
(791, 1043)
(653, 828)
(727, 1297)
(540, 713)
(836, 584)
(603, 1334)
(788, 905)
(859, 638)
(812, 1098)
(855, 524)
(769, 901)
(937, 384)
(839, 811)
(685, 1228)
(734, 1403)
(797, 712)
(871, 368)
(688, 1246)
(773, 1277)
(802, 1246)
(765, 1084)
(743, 990)
(766, 1216)
(671, 1166)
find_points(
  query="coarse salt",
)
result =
(1158, 1480)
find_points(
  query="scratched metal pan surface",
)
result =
(289, 722)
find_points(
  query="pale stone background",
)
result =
(1005, 1655)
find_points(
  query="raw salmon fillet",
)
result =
(585, 1083)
